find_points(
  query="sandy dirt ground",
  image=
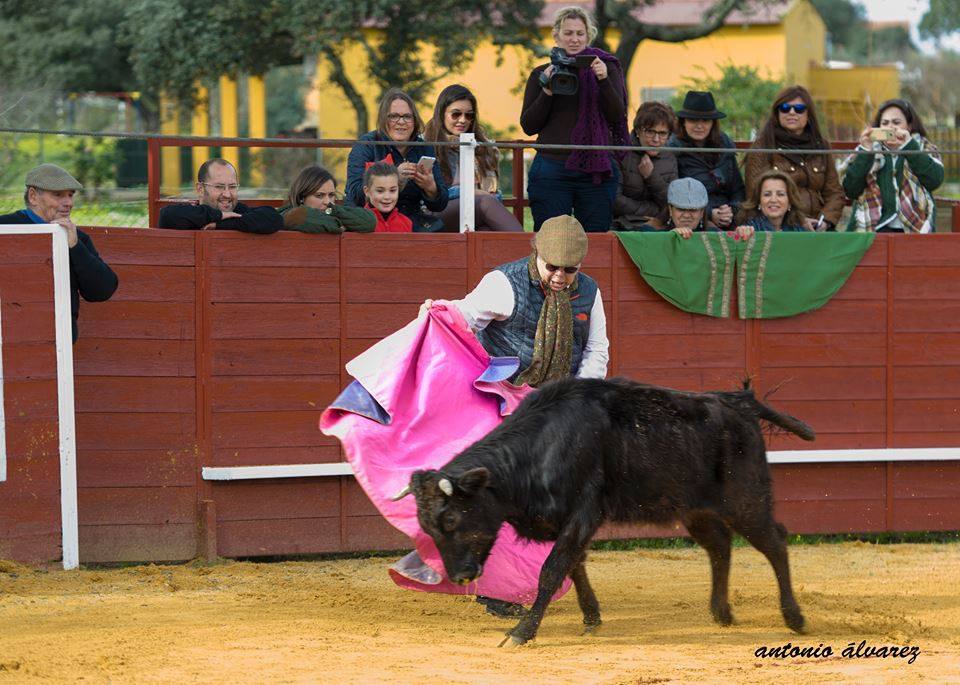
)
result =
(344, 621)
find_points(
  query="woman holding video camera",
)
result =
(422, 190)
(577, 99)
(455, 113)
(893, 193)
(791, 128)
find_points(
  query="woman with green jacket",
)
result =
(312, 207)
(893, 193)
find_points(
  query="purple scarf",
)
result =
(592, 127)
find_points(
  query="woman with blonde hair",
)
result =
(584, 103)
(456, 112)
(773, 204)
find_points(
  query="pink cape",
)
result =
(421, 396)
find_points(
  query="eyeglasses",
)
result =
(785, 107)
(566, 269)
(399, 117)
(457, 114)
(653, 133)
(222, 187)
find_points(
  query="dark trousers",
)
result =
(554, 190)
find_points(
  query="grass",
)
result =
(952, 536)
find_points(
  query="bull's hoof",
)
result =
(591, 627)
(510, 641)
(794, 619)
(723, 615)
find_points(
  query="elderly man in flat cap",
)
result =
(542, 309)
(49, 199)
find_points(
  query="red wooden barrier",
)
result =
(221, 349)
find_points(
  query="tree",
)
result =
(851, 37)
(744, 95)
(940, 19)
(930, 85)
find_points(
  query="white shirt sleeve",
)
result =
(596, 354)
(491, 300)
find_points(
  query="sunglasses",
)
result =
(786, 107)
(566, 269)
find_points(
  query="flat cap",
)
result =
(51, 177)
(561, 241)
(687, 193)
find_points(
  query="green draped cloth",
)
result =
(775, 274)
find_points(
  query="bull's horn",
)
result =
(446, 486)
(400, 495)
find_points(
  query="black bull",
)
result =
(580, 452)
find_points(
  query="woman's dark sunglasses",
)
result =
(566, 269)
(799, 108)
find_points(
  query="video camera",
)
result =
(564, 79)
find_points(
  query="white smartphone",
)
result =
(426, 163)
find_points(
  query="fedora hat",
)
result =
(699, 104)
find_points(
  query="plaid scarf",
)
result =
(915, 202)
(553, 341)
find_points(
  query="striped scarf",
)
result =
(553, 341)
(915, 204)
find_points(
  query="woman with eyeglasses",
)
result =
(893, 194)
(455, 113)
(311, 206)
(642, 196)
(423, 193)
(791, 128)
(717, 171)
(584, 103)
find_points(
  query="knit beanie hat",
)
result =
(561, 241)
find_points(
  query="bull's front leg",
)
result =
(567, 554)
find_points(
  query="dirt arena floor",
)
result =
(344, 621)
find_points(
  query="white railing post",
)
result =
(468, 182)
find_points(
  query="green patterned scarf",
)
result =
(553, 341)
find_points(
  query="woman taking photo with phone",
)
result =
(591, 110)
(717, 171)
(792, 127)
(423, 192)
(893, 193)
(455, 113)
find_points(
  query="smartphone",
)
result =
(426, 163)
(584, 61)
(881, 135)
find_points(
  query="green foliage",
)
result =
(743, 93)
(940, 20)
(930, 84)
(851, 38)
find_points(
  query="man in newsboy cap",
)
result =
(543, 309)
(49, 200)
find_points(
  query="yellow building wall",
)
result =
(499, 87)
(805, 41)
(848, 97)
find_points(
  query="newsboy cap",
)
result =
(687, 193)
(561, 241)
(51, 177)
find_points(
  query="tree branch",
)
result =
(339, 76)
(713, 20)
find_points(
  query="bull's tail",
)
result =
(745, 401)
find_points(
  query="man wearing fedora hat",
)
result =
(717, 171)
(49, 200)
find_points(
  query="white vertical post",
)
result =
(468, 182)
(68, 445)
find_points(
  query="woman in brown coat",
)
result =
(642, 194)
(793, 126)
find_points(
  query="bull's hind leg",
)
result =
(711, 533)
(770, 538)
(586, 598)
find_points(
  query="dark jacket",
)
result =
(639, 199)
(721, 178)
(89, 275)
(340, 218)
(816, 178)
(412, 200)
(190, 216)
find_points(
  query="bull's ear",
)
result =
(474, 480)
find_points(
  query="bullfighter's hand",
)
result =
(424, 308)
